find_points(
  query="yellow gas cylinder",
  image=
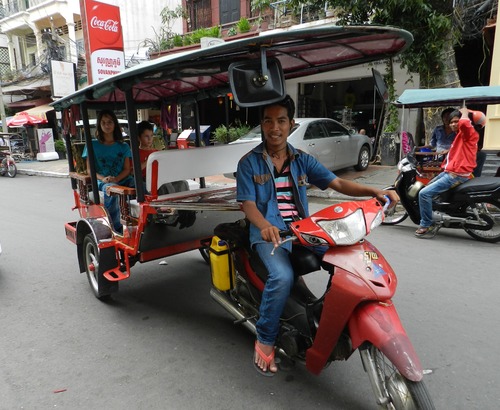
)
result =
(221, 264)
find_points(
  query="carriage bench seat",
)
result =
(174, 165)
(172, 168)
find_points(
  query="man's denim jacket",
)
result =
(255, 182)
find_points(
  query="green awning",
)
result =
(440, 97)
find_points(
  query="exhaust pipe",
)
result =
(448, 220)
(222, 300)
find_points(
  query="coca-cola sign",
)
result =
(106, 25)
(103, 39)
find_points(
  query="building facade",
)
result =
(38, 31)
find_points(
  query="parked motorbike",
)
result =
(8, 165)
(473, 206)
(354, 313)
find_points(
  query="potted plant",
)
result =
(60, 147)
(225, 135)
(243, 25)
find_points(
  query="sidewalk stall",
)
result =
(187, 138)
(13, 143)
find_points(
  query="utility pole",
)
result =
(2, 110)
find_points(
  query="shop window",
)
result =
(4, 61)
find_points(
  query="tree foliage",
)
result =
(429, 22)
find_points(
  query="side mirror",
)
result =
(255, 83)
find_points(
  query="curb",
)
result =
(32, 172)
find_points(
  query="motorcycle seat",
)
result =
(474, 185)
(303, 259)
(234, 232)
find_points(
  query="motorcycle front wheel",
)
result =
(491, 214)
(11, 170)
(392, 390)
(396, 214)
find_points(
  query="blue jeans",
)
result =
(480, 160)
(277, 289)
(441, 183)
(111, 202)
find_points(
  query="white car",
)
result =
(327, 140)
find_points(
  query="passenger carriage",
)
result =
(156, 226)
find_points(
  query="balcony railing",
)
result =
(12, 7)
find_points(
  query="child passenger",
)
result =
(112, 162)
(145, 133)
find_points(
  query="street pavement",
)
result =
(379, 176)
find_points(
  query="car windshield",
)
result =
(254, 133)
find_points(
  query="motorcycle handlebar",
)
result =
(387, 203)
(283, 234)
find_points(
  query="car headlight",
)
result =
(345, 231)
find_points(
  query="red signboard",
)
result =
(103, 39)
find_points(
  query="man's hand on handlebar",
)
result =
(392, 195)
(271, 234)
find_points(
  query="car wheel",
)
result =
(363, 159)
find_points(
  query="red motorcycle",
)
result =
(355, 312)
(7, 165)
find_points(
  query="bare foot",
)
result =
(264, 357)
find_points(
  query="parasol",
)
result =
(25, 118)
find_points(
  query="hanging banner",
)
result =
(62, 78)
(46, 140)
(103, 36)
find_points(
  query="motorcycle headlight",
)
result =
(377, 220)
(403, 163)
(346, 231)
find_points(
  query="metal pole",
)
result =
(134, 143)
(2, 110)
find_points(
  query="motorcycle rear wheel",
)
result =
(91, 257)
(490, 213)
(396, 215)
(398, 393)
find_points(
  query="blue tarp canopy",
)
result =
(438, 97)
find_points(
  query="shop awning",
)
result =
(40, 110)
(31, 84)
(25, 104)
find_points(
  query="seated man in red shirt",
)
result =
(457, 167)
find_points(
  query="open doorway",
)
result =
(354, 103)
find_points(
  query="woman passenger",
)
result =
(112, 162)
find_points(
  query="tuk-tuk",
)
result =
(157, 225)
(472, 97)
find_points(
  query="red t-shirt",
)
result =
(143, 156)
(461, 158)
